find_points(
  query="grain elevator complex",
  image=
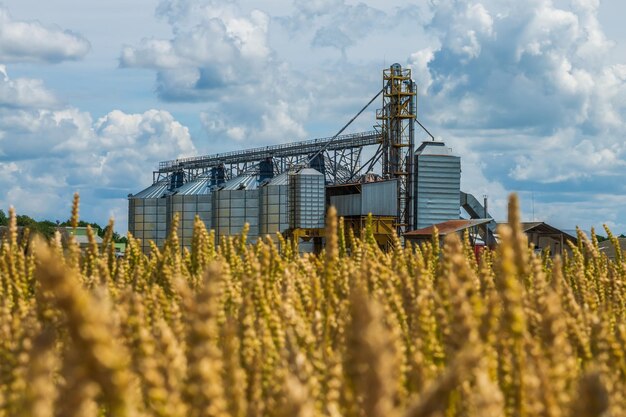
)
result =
(287, 188)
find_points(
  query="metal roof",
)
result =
(154, 191)
(280, 179)
(526, 226)
(434, 148)
(201, 186)
(242, 182)
(447, 227)
(608, 247)
(308, 171)
(542, 227)
(84, 240)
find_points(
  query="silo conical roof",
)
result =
(242, 182)
(156, 190)
(199, 186)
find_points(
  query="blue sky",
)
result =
(530, 93)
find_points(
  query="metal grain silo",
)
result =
(147, 215)
(187, 201)
(235, 204)
(273, 206)
(307, 199)
(437, 184)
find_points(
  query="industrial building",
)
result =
(287, 188)
(446, 228)
(545, 237)
(613, 251)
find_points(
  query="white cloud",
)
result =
(464, 34)
(580, 158)
(24, 93)
(573, 210)
(418, 62)
(35, 42)
(535, 72)
(220, 46)
(343, 25)
(50, 152)
(220, 55)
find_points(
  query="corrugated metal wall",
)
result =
(147, 215)
(307, 196)
(378, 198)
(437, 186)
(273, 210)
(147, 221)
(232, 209)
(186, 207)
(347, 205)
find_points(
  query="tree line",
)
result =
(47, 228)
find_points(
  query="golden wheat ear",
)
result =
(435, 399)
(592, 399)
(102, 360)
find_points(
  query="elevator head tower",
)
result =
(396, 124)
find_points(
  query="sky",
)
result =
(530, 93)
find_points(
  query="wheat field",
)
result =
(247, 330)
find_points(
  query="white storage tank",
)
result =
(147, 215)
(187, 201)
(235, 204)
(307, 195)
(437, 184)
(273, 206)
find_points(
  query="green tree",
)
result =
(81, 223)
(117, 238)
(45, 228)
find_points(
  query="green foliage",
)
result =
(94, 226)
(47, 228)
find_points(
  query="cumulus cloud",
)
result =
(341, 25)
(24, 92)
(524, 67)
(224, 47)
(35, 42)
(220, 55)
(535, 72)
(48, 151)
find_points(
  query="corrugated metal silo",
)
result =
(307, 195)
(235, 204)
(189, 200)
(147, 215)
(437, 184)
(273, 206)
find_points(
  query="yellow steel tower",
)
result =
(397, 120)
